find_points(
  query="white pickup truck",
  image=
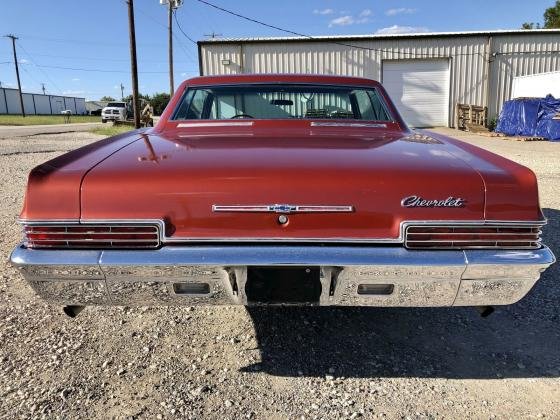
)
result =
(115, 111)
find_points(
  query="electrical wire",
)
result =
(377, 50)
(187, 53)
(73, 41)
(98, 70)
(359, 47)
(30, 75)
(39, 67)
(181, 29)
(96, 58)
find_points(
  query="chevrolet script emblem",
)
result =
(283, 208)
(417, 201)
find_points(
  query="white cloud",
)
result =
(75, 79)
(73, 92)
(342, 21)
(396, 29)
(23, 61)
(347, 19)
(400, 11)
(323, 12)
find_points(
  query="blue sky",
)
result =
(88, 36)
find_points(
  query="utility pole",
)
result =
(170, 38)
(122, 92)
(43, 88)
(13, 38)
(133, 62)
(171, 6)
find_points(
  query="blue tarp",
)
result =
(531, 117)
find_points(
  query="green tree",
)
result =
(552, 16)
(551, 19)
(107, 99)
(140, 96)
(159, 101)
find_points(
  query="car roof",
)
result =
(279, 78)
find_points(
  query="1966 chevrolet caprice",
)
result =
(281, 189)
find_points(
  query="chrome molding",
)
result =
(282, 208)
(348, 124)
(218, 123)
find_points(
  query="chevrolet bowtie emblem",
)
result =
(283, 208)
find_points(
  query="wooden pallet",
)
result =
(472, 115)
(475, 128)
(523, 138)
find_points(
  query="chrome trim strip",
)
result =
(218, 123)
(349, 124)
(282, 208)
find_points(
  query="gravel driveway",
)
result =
(267, 363)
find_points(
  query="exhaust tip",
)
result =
(73, 310)
(485, 311)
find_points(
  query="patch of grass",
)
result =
(46, 119)
(111, 130)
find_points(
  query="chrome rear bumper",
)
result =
(218, 274)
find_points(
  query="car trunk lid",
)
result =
(181, 176)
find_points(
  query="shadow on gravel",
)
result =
(517, 341)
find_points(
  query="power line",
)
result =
(525, 52)
(95, 58)
(181, 29)
(98, 70)
(73, 41)
(39, 67)
(359, 47)
(187, 53)
(253, 20)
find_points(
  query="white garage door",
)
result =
(420, 90)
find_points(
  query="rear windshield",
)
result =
(116, 104)
(282, 102)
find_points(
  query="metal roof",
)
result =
(366, 37)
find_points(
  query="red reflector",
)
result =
(92, 236)
(472, 236)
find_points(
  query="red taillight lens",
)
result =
(91, 236)
(459, 237)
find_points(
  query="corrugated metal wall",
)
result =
(35, 103)
(470, 71)
(520, 56)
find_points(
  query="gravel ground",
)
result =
(232, 362)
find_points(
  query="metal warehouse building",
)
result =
(426, 74)
(38, 104)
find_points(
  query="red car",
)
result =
(281, 189)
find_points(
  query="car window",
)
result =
(282, 102)
(116, 104)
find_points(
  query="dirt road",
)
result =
(232, 362)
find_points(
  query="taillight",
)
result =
(473, 236)
(91, 236)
